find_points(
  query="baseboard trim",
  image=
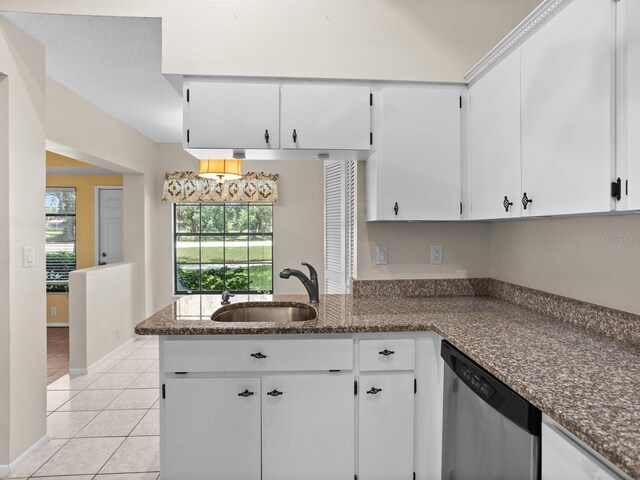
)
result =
(7, 469)
(58, 324)
(78, 371)
(85, 371)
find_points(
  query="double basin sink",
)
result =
(265, 312)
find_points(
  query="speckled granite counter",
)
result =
(585, 381)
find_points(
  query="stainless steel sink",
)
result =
(265, 312)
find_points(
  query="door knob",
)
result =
(295, 136)
(104, 254)
(258, 355)
(266, 136)
(245, 394)
(396, 208)
(374, 391)
(386, 352)
(274, 393)
(526, 200)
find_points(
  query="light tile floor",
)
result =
(104, 425)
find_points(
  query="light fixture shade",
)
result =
(221, 169)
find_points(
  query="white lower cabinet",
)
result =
(282, 423)
(211, 430)
(307, 427)
(564, 457)
(386, 426)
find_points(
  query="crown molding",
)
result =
(541, 15)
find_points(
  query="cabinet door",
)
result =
(419, 153)
(563, 458)
(210, 430)
(326, 117)
(308, 427)
(232, 115)
(494, 136)
(385, 427)
(628, 166)
(567, 111)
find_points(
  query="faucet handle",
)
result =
(312, 271)
(225, 297)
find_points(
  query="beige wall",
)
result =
(99, 323)
(298, 230)
(594, 259)
(79, 130)
(427, 40)
(22, 189)
(465, 246)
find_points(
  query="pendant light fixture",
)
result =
(221, 169)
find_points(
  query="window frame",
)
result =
(58, 283)
(223, 235)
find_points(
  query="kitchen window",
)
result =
(60, 231)
(223, 246)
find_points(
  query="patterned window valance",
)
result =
(188, 187)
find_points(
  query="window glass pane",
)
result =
(212, 249)
(61, 230)
(236, 249)
(212, 219)
(187, 249)
(237, 277)
(212, 278)
(260, 277)
(187, 278)
(260, 248)
(260, 218)
(187, 218)
(236, 218)
(60, 201)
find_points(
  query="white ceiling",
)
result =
(114, 63)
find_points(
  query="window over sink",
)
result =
(223, 246)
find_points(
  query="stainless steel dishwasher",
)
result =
(489, 431)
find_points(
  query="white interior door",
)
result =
(110, 240)
(568, 111)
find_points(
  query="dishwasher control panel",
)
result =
(476, 382)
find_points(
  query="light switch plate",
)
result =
(436, 254)
(27, 257)
(381, 255)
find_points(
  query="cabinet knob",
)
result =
(266, 136)
(396, 208)
(245, 394)
(294, 136)
(374, 391)
(258, 355)
(526, 200)
(274, 393)
(386, 352)
(506, 204)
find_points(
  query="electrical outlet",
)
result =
(117, 333)
(381, 255)
(436, 254)
(54, 311)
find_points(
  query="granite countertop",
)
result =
(583, 380)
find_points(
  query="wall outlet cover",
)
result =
(436, 255)
(54, 311)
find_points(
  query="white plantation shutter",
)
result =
(340, 224)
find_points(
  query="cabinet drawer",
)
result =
(257, 355)
(387, 355)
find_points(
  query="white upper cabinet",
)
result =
(628, 75)
(327, 117)
(231, 115)
(494, 142)
(415, 172)
(568, 112)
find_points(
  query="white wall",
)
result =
(594, 259)
(22, 181)
(102, 311)
(427, 40)
(298, 229)
(465, 246)
(79, 130)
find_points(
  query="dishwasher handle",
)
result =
(491, 390)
